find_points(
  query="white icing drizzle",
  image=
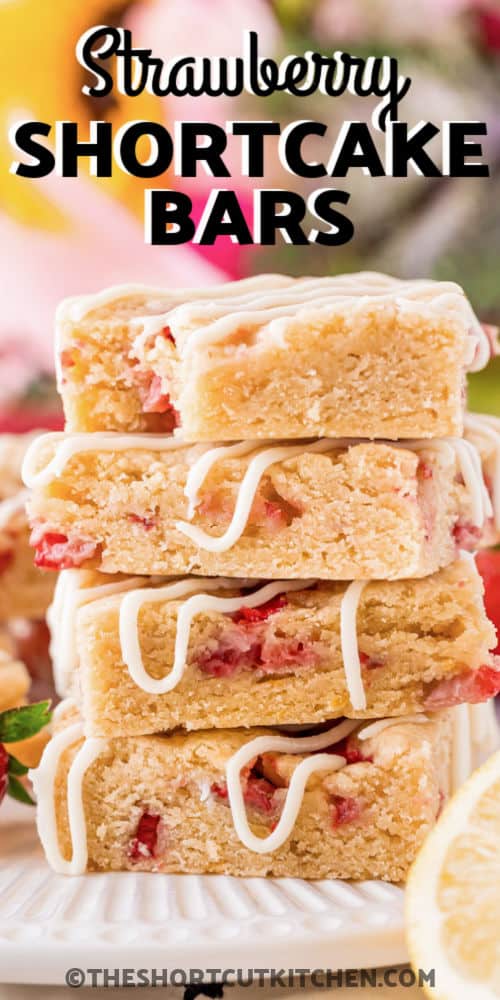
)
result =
(44, 778)
(64, 706)
(358, 290)
(374, 728)
(488, 428)
(197, 604)
(349, 644)
(293, 800)
(201, 468)
(247, 490)
(69, 595)
(69, 445)
(76, 308)
(472, 472)
(11, 506)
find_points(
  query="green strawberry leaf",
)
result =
(15, 766)
(20, 723)
(17, 791)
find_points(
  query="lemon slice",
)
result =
(453, 894)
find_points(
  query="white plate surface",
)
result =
(49, 923)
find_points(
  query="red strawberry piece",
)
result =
(56, 551)
(467, 535)
(147, 522)
(350, 750)
(424, 470)
(345, 810)
(6, 560)
(274, 515)
(368, 662)
(239, 650)
(442, 800)
(168, 335)
(473, 686)
(488, 564)
(154, 399)
(287, 655)
(144, 844)
(4, 767)
(251, 616)
(258, 794)
(227, 658)
(219, 789)
(67, 358)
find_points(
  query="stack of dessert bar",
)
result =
(269, 626)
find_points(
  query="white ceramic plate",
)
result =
(49, 923)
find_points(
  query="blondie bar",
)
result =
(25, 590)
(99, 378)
(350, 802)
(215, 653)
(272, 358)
(362, 355)
(328, 509)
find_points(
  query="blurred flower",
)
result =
(390, 20)
(488, 23)
(42, 80)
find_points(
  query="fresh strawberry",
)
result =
(54, 550)
(350, 750)
(488, 564)
(472, 686)
(154, 399)
(144, 844)
(424, 470)
(242, 649)
(345, 810)
(369, 662)
(148, 523)
(258, 794)
(219, 789)
(67, 358)
(228, 657)
(467, 535)
(250, 616)
(168, 335)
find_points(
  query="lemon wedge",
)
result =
(453, 894)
